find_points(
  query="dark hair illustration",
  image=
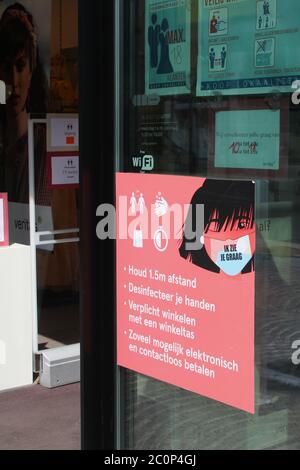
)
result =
(226, 203)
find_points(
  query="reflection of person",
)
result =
(22, 72)
(227, 243)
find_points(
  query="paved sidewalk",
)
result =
(38, 418)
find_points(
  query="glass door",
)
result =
(209, 92)
(39, 68)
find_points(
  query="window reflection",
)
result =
(177, 131)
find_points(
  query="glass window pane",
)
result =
(189, 134)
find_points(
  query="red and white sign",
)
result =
(185, 306)
(63, 169)
(4, 237)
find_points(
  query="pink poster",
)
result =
(185, 283)
(4, 235)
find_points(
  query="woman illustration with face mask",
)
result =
(227, 243)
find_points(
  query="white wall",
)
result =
(15, 317)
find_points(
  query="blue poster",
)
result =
(248, 46)
(167, 46)
(248, 139)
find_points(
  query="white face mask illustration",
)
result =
(231, 256)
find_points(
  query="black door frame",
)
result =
(97, 172)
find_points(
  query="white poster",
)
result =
(19, 226)
(64, 170)
(62, 133)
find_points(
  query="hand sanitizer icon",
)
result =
(138, 237)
